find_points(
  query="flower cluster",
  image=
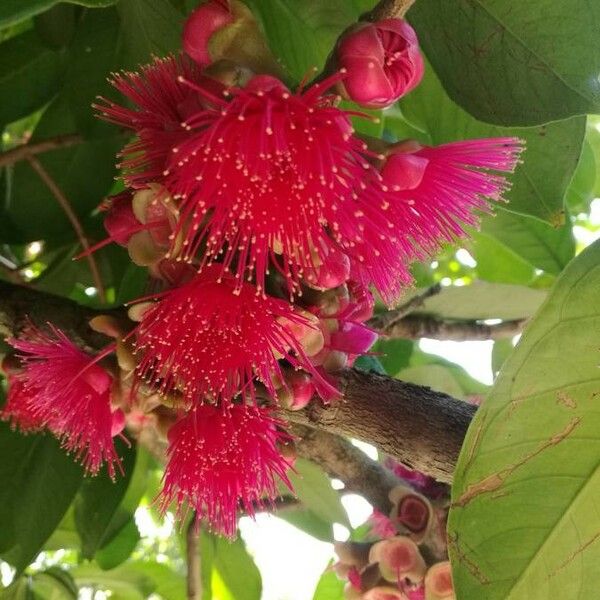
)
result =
(404, 554)
(266, 221)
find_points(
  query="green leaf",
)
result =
(307, 521)
(30, 75)
(543, 246)
(56, 26)
(500, 352)
(514, 63)
(14, 11)
(370, 364)
(235, 569)
(498, 263)
(97, 504)
(40, 483)
(583, 185)
(84, 173)
(552, 150)
(523, 522)
(436, 377)
(169, 584)
(468, 386)
(54, 584)
(126, 582)
(329, 586)
(482, 300)
(120, 547)
(393, 354)
(133, 285)
(302, 34)
(314, 490)
(149, 27)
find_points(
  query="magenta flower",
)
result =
(207, 19)
(382, 60)
(212, 337)
(18, 410)
(69, 393)
(222, 460)
(434, 191)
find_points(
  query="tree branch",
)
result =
(26, 150)
(194, 576)
(414, 327)
(388, 9)
(413, 424)
(64, 203)
(340, 459)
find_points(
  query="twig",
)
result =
(194, 576)
(388, 9)
(66, 206)
(385, 320)
(26, 150)
(414, 327)
(341, 459)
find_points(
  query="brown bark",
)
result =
(340, 459)
(413, 424)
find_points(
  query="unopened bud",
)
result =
(382, 62)
(384, 592)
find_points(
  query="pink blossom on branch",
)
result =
(382, 60)
(222, 459)
(435, 191)
(212, 338)
(65, 390)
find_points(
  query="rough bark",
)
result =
(419, 427)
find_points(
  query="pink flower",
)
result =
(69, 393)
(268, 179)
(382, 61)
(163, 103)
(18, 410)
(425, 484)
(434, 191)
(208, 18)
(222, 459)
(212, 337)
(381, 525)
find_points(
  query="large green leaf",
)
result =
(230, 568)
(149, 27)
(540, 182)
(302, 34)
(13, 11)
(329, 586)
(39, 482)
(29, 76)
(540, 244)
(97, 514)
(524, 521)
(482, 300)
(514, 63)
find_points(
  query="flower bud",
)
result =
(438, 582)
(398, 558)
(300, 390)
(403, 169)
(208, 18)
(382, 61)
(120, 221)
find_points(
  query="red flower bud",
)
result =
(382, 61)
(200, 26)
